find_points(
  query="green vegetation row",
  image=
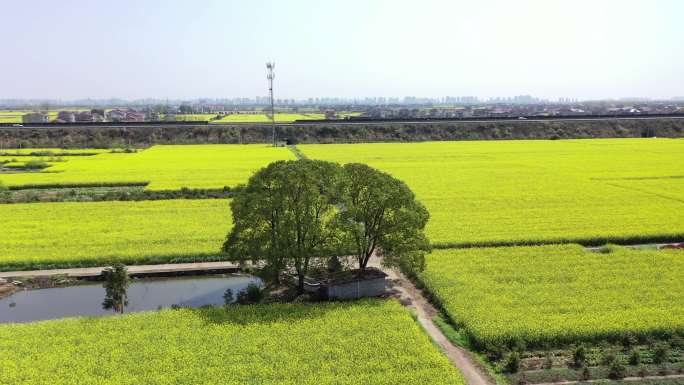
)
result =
(366, 342)
(106, 193)
(263, 118)
(107, 137)
(558, 294)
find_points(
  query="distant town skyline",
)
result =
(582, 50)
(43, 104)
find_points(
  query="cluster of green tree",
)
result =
(141, 136)
(292, 214)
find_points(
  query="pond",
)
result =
(142, 294)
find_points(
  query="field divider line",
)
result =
(57, 186)
(586, 242)
(634, 189)
(297, 152)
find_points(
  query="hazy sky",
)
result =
(188, 49)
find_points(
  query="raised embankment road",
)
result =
(141, 135)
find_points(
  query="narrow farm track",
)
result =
(411, 297)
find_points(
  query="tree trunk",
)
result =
(300, 287)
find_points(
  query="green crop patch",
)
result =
(366, 342)
(530, 192)
(69, 234)
(263, 118)
(164, 167)
(191, 117)
(558, 294)
(52, 151)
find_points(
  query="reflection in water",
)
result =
(228, 297)
(142, 294)
(116, 283)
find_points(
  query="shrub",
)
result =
(251, 294)
(609, 356)
(634, 357)
(677, 340)
(522, 379)
(494, 351)
(606, 249)
(586, 374)
(660, 353)
(579, 356)
(517, 344)
(630, 339)
(548, 360)
(512, 362)
(35, 165)
(42, 153)
(616, 370)
(642, 372)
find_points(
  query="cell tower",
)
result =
(270, 75)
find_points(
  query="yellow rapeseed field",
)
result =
(64, 234)
(366, 342)
(541, 191)
(163, 167)
(558, 294)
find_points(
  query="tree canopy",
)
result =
(283, 216)
(291, 213)
(380, 213)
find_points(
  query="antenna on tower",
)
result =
(270, 75)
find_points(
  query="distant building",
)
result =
(66, 117)
(135, 116)
(35, 117)
(84, 116)
(116, 115)
(99, 114)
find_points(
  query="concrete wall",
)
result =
(358, 289)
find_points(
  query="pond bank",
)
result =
(133, 270)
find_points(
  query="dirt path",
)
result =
(411, 297)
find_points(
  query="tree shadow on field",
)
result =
(264, 314)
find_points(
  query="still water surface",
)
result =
(143, 294)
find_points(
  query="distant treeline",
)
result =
(143, 136)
